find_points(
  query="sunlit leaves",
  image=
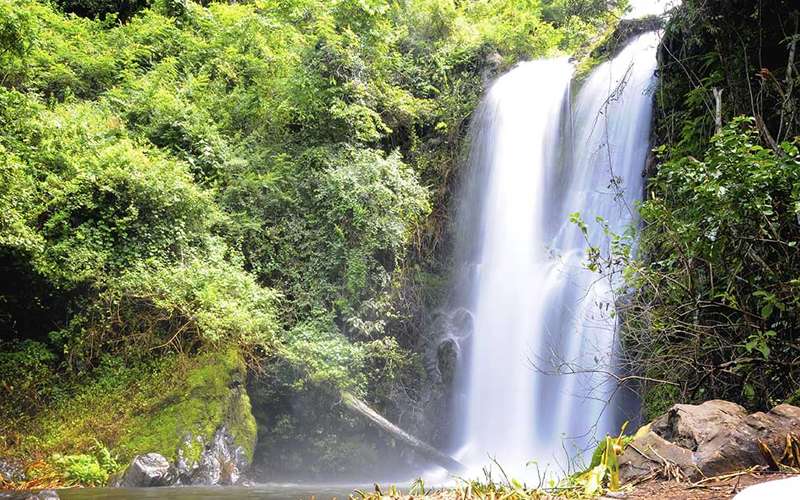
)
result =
(721, 235)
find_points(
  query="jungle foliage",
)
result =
(710, 305)
(176, 178)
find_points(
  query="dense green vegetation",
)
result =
(197, 198)
(178, 180)
(712, 308)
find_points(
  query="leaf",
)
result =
(768, 456)
(594, 480)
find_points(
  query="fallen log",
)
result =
(362, 409)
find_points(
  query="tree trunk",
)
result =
(362, 409)
(718, 115)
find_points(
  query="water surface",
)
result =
(260, 491)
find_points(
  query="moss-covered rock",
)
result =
(173, 406)
(181, 421)
(614, 39)
(624, 32)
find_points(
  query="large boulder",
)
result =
(713, 438)
(148, 470)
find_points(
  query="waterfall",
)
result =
(542, 340)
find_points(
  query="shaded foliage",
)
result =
(743, 48)
(715, 307)
(711, 311)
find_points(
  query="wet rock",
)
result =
(44, 495)
(11, 471)
(491, 66)
(447, 356)
(183, 468)
(625, 31)
(716, 437)
(222, 462)
(148, 470)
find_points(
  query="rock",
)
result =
(222, 462)
(492, 64)
(716, 437)
(182, 467)
(625, 31)
(211, 395)
(647, 455)
(148, 470)
(44, 495)
(11, 471)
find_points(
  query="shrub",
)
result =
(123, 9)
(107, 201)
(27, 373)
(715, 305)
(86, 470)
(177, 307)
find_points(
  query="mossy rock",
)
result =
(208, 396)
(613, 41)
(625, 31)
(171, 403)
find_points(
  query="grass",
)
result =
(600, 477)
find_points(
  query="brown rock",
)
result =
(653, 455)
(706, 440)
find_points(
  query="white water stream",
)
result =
(537, 155)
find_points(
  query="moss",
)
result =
(586, 65)
(794, 399)
(611, 41)
(144, 408)
(591, 56)
(188, 415)
(242, 423)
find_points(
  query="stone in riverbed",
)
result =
(11, 470)
(716, 437)
(148, 470)
(222, 462)
(44, 495)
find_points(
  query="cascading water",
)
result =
(543, 337)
